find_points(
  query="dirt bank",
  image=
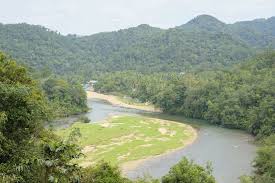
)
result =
(114, 100)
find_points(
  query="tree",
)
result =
(103, 173)
(265, 161)
(65, 98)
(55, 160)
(22, 110)
(188, 172)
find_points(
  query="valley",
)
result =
(192, 103)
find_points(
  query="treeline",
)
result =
(65, 95)
(65, 98)
(29, 153)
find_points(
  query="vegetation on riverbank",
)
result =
(264, 163)
(242, 97)
(65, 98)
(128, 138)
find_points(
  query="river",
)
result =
(230, 151)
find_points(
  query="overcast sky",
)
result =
(86, 17)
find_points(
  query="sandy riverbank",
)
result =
(114, 100)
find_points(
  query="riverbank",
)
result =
(115, 100)
(132, 139)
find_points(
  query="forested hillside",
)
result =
(257, 33)
(202, 43)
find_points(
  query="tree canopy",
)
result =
(188, 172)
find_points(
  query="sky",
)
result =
(85, 17)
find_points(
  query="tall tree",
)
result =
(22, 110)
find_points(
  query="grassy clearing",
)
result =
(126, 138)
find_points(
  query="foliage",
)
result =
(22, 109)
(28, 153)
(185, 171)
(103, 173)
(257, 33)
(246, 179)
(65, 98)
(84, 119)
(202, 43)
(55, 161)
(188, 172)
(265, 161)
(146, 179)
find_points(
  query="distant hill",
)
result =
(257, 33)
(202, 43)
(204, 23)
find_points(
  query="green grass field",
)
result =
(126, 138)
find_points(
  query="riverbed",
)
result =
(229, 151)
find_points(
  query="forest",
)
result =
(201, 44)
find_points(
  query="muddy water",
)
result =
(229, 151)
(100, 110)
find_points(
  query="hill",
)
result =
(202, 43)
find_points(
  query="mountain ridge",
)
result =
(272, 18)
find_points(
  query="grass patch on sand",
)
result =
(126, 138)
